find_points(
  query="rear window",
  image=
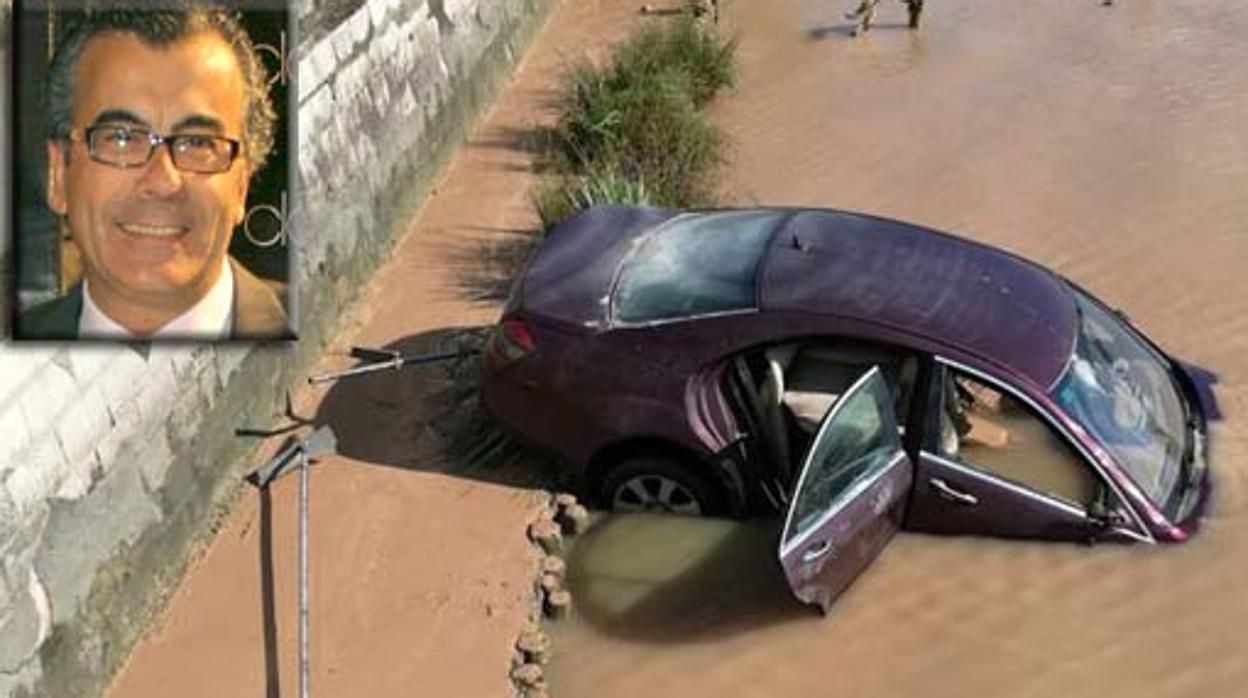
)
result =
(695, 265)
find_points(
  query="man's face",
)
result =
(153, 237)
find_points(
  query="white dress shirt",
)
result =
(211, 318)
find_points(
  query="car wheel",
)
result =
(656, 484)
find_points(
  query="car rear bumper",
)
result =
(514, 397)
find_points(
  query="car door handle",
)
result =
(946, 492)
(817, 551)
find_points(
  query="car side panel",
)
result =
(955, 500)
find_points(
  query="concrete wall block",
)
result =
(126, 423)
(6, 598)
(158, 393)
(90, 361)
(17, 545)
(79, 430)
(191, 365)
(315, 65)
(340, 40)
(314, 116)
(377, 12)
(18, 365)
(123, 380)
(82, 535)
(426, 41)
(12, 530)
(14, 436)
(302, 8)
(465, 55)
(307, 81)
(381, 94)
(380, 12)
(188, 412)
(494, 15)
(317, 114)
(155, 458)
(210, 384)
(322, 59)
(46, 397)
(228, 358)
(348, 35)
(22, 680)
(407, 103)
(408, 44)
(385, 47)
(26, 626)
(459, 11)
(37, 474)
(78, 479)
(358, 27)
(373, 172)
(352, 82)
(182, 357)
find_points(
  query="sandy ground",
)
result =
(1105, 142)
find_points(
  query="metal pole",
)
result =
(321, 441)
(303, 573)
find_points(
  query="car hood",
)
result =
(570, 276)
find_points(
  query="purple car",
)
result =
(852, 374)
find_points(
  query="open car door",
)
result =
(850, 494)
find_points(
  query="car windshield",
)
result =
(695, 265)
(1121, 390)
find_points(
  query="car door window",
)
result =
(990, 430)
(862, 441)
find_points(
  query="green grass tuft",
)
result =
(632, 131)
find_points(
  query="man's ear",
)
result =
(58, 153)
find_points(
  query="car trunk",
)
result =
(570, 278)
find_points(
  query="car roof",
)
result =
(935, 287)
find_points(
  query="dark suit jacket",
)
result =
(259, 312)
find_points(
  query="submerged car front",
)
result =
(1147, 411)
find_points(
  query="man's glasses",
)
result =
(129, 146)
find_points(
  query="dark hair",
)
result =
(160, 28)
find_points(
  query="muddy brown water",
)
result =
(1106, 142)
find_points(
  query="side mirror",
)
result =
(1102, 517)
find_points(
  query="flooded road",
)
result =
(1106, 142)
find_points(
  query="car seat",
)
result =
(771, 396)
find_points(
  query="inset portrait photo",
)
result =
(151, 175)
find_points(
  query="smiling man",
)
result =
(157, 122)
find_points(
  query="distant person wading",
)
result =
(864, 14)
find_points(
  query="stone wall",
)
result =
(114, 459)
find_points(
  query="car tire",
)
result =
(659, 484)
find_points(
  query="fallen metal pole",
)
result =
(321, 441)
(304, 661)
(382, 360)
